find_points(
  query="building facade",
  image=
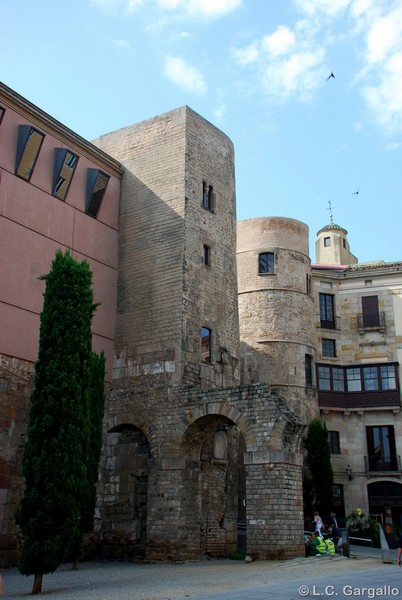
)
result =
(196, 461)
(359, 351)
(57, 191)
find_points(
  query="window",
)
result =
(28, 147)
(359, 378)
(338, 379)
(206, 255)
(334, 442)
(266, 262)
(327, 241)
(328, 348)
(381, 448)
(96, 187)
(327, 317)
(353, 379)
(388, 377)
(206, 345)
(308, 365)
(308, 284)
(2, 111)
(63, 171)
(371, 315)
(208, 196)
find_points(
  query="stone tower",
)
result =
(194, 463)
(332, 246)
(276, 309)
(177, 240)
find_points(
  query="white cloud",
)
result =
(247, 55)
(384, 36)
(279, 42)
(298, 75)
(385, 98)
(288, 65)
(323, 7)
(197, 8)
(188, 77)
(206, 8)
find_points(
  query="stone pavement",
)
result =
(218, 579)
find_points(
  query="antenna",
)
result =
(331, 220)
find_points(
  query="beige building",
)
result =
(359, 352)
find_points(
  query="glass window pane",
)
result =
(353, 379)
(266, 262)
(324, 378)
(388, 378)
(338, 381)
(370, 377)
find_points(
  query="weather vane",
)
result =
(331, 220)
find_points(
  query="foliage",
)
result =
(57, 468)
(359, 525)
(319, 479)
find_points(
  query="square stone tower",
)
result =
(177, 317)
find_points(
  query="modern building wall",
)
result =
(34, 223)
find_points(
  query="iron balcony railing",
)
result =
(371, 321)
(374, 463)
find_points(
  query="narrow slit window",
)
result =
(96, 186)
(206, 345)
(2, 111)
(28, 147)
(207, 196)
(206, 255)
(65, 163)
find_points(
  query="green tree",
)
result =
(319, 479)
(55, 462)
(96, 411)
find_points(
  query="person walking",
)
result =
(318, 523)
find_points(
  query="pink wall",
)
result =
(34, 224)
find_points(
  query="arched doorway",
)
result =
(385, 502)
(218, 445)
(125, 493)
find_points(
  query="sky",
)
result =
(308, 145)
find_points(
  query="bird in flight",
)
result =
(355, 193)
(332, 75)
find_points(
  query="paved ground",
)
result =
(220, 580)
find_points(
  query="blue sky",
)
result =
(258, 70)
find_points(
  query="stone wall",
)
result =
(218, 459)
(16, 382)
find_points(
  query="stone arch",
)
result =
(222, 409)
(125, 492)
(215, 446)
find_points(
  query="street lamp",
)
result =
(349, 472)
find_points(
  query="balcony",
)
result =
(381, 465)
(359, 400)
(371, 322)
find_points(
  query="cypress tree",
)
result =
(319, 480)
(96, 403)
(55, 465)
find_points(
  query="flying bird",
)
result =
(355, 193)
(332, 75)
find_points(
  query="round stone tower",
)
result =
(276, 310)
